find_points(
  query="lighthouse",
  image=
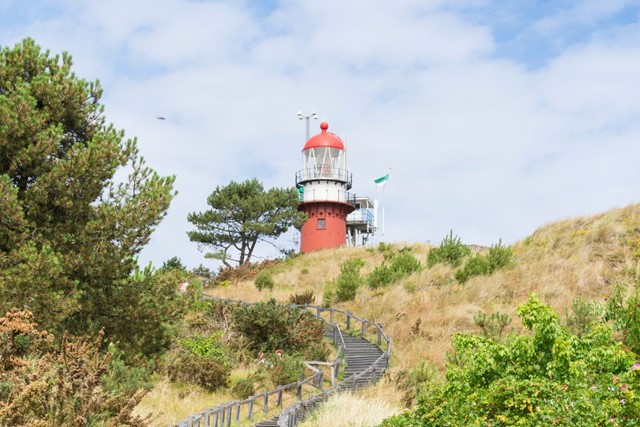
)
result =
(323, 184)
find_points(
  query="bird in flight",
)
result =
(160, 118)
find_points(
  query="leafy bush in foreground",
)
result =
(548, 378)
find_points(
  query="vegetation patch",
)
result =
(550, 377)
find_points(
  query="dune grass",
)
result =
(579, 257)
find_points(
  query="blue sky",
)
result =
(496, 117)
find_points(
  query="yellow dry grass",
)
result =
(351, 410)
(580, 257)
(168, 403)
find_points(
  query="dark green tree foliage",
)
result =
(451, 251)
(241, 214)
(173, 263)
(548, 377)
(70, 233)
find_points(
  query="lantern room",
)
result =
(324, 157)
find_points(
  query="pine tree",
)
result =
(241, 214)
(69, 231)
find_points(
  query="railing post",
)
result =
(364, 328)
(207, 414)
(330, 315)
(348, 321)
(266, 403)
(379, 335)
(280, 398)
(237, 412)
(251, 410)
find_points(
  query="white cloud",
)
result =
(478, 144)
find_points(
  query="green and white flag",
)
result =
(382, 180)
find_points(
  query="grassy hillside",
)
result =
(574, 258)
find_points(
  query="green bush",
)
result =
(625, 316)
(380, 276)
(349, 280)
(546, 377)
(497, 258)
(413, 380)
(243, 388)
(584, 316)
(286, 369)
(404, 263)
(451, 251)
(207, 372)
(208, 346)
(264, 280)
(477, 265)
(492, 325)
(394, 268)
(269, 326)
(328, 295)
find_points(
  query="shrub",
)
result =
(584, 316)
(451, 251)
(70, 382)
(264, 280)
(492, 325)
(243, 388)
(206, 346)
(404, 263)
(497, 258)
(269, 326)
(380, 276)
(349, 280)
(625, 315)
(328, 295)
(207, 372)
(286, 369)
(303, 298)
(477, 265)
(413, 380)
(547, 377)
(393, 269)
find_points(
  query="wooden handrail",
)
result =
(222, 415)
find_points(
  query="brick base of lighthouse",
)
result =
(326, 226)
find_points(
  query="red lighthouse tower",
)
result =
(323, 183)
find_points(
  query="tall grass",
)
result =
(580, 257)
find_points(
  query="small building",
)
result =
(362, 222)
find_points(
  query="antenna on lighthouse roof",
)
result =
(307, 118)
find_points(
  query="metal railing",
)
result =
(226, 413)
(327, 195)
(320, 173)
(361, 216)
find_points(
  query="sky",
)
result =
(495, 117)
